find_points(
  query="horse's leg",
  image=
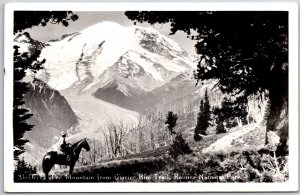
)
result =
(71, 169)
(47, 165)
(47, 177)
(46, 170)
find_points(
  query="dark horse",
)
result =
(53, 157)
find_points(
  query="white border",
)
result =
(290, 185)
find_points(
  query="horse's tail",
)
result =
(47, 162)
(47, 156)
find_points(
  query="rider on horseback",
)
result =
(64, 146)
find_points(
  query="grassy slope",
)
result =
(151, 161)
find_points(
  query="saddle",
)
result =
(66, 150)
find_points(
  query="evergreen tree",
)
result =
(206, 112)
(22, 62)
(228, 113)
(23, 169)
(203, 118)
(29, 61)
(220, 127)
(171, 122)
(179, 147)
(199, 125)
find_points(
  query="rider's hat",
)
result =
(63, 134)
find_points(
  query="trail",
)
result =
(224, 143)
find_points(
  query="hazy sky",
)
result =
(52, 31)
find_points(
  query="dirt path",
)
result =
(224, 143)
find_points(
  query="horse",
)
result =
(53, 157)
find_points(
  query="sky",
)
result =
(53, 31)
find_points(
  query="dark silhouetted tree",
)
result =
(22, 62)
(171, 122)
(220, 127)
(203, 119)
(229, 113)
(29, 61)
(28, 19)
(22, 170)
(199, 124)
(206, 113)
(179, 147)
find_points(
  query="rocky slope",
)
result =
(51, 115)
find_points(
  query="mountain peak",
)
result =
(144, 51)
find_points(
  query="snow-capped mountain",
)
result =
(111, 63)
(114, 63)
(110, 54)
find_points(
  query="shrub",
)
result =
(246, 166)
(23, 169)
(220, 127)
(179, 147)
(197, 137)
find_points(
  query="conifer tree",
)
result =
(220, 127)
(228, 113)
(199, 126)
(206, 112)
(23, 169)
(21, 114)
(179, 147)
(171, 122)
(203, 119)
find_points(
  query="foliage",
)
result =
(179, 147)
(29, 61)
(229, 42)
(22, 62)
(28, 19)
(197, 137)
(220, 127)
(199, 126)
(243, 166)
(230, 113)
(114, 138)
(203, 119)
(23, 169)
(247, 52)
(171, 121)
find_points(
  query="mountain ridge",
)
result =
(101, 46)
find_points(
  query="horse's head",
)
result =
(86, 145)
